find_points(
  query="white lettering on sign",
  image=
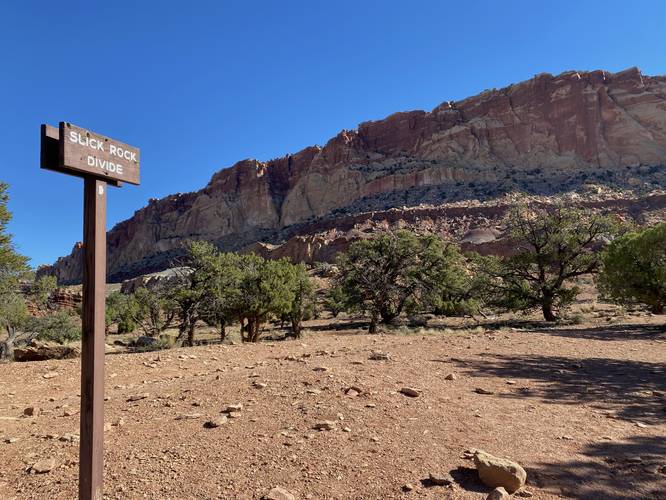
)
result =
(107, 165)
(122, 153)
(91, 142)
(98, 145)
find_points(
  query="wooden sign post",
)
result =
(100, 161)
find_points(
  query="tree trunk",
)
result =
(223, 330)
(252, 330)
(373, 323)
(296, 328)
(547, 309)
(256, 333)
(181, 333)
(7, 347)
(242, 329)
(190, 332)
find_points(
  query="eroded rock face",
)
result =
(545, 134)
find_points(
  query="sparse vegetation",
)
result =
(121, 310)
(60, 327)
(553, 247)
(13, 268)
(397, 271)
(634, 269)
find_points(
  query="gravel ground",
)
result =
(581, 408)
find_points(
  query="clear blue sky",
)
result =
(199, 85)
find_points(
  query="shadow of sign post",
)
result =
(100, 161)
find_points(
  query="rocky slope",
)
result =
(547, 135)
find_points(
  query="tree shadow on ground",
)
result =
(629, 469)
(610, 332)
(341, 326)
(628, 390)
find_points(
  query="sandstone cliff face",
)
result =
(547, 133)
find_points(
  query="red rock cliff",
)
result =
(550, 129)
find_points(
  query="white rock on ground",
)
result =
(494, 472)
(279, 493)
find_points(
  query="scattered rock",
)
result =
(215, 422)
(408, 487)
(31, 411)
(320, 369)
(189, 416)
(49, 375)
(411, 392)
(233, 408)
(326, 425)
(451, 376)
(11, 440)
(260, 385)
(494, 472)
(69, 438)
(279, 493)
(137, 397)
(43, 466)
(441, 479)
(498, 494)
(524, 493)
(480, 390)
(379, 356)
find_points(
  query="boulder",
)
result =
(37, 350)
(145, 341)
(495, 472)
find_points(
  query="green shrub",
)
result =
(60, 327)
(634, 269)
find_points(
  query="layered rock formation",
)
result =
(546, 135)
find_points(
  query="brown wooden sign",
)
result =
(50, 154)
(90, 153)
(100, 161)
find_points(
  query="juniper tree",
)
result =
(13, 268)
(384, 275)
(552, 247)
(634, 269)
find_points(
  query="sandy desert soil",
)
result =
(582, 408)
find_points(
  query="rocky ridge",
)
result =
(548, 135)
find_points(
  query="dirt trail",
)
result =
(581, 409)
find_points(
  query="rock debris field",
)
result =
(342, 414)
